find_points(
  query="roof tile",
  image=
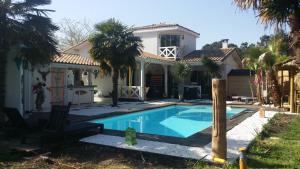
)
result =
(215, 55)
(162, 25)
(74, 59)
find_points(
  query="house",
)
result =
(75, 77)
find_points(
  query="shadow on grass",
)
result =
(254, 163)
(96, 155)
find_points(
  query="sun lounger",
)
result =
(56, 126)
(59, 127)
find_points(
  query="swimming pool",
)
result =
(175, 121)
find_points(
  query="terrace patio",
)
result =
(197, 147)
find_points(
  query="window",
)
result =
(169, 40)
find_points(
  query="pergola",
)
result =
(292, 67)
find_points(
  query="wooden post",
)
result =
(129, 82)
(292, 92)
(142, 90)
(282, 88)
(219, 142)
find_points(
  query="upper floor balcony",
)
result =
(171, 52)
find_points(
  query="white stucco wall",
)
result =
(16, 91)
(150, 41)
(37, 77)
(82, 49)
(231, 62)
(188, 44)
(104, 84)
(13, 95)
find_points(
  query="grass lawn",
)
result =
(277, 147)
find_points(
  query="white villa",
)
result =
(75, 77)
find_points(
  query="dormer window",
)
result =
(169, 40)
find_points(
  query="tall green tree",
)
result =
(278, 13)
(217, 45)
(264, 41)
(115, 47)
(26, 30)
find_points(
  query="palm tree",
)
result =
(251, 62)
(274, 55)
(212, 67)
(28, 31)
(278, 13)
(115, 47)
(180, 71)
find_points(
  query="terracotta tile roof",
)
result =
(215, 55)
(155, 57)
(74, 59)
(163, 25)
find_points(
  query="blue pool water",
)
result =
(176, 121)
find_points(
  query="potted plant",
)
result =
(179, 71)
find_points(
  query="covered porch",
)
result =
(68, 78)
(151, 79)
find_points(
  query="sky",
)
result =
(213, 19)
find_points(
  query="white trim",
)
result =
(155, 61)
(64, 65)
(170, 28)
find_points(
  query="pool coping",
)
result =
(239, 136)
(198, 139)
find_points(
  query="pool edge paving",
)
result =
(238, 136)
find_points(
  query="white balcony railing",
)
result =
(169, 52)
(130, 92)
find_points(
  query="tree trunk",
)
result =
(180, 91)
(258, 87)
(3, 58)
(275, 89)
(115, 80)
(294, 37)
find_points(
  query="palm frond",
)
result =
(180, 71)
(114, 44)
(271, 12)
(212, 67)
(28, 28)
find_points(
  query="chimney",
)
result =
(224, 43)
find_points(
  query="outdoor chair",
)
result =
(15, 120)
(16, 124)
(59, 128)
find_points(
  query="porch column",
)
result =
(90, 78)
(166, 79)
(292, 92)
(142, 91)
